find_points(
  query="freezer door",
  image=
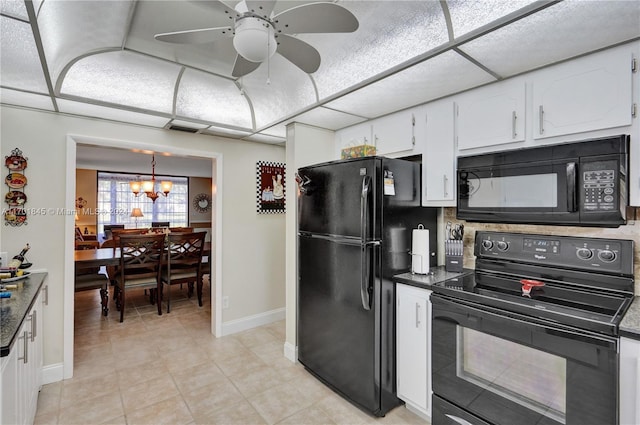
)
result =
(338, 338)
(330, 200)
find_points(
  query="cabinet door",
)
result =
(491, 115)
(394, 133)
(438, 156)
(586, 94)
(8, 388)
(412, 329)
(629, 381)
(359, 134)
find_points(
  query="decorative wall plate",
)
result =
(16, 180)
(202, 202)
(15, 161)
(15, 198)
(15, 217)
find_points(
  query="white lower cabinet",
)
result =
(629, 381)
(22, 371)
(413, 348)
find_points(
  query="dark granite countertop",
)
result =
(630, 324)
(436, 274)
(14, 310)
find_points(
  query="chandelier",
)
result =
(149, 186)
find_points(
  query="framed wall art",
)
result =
(270, 187)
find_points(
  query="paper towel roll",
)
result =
(420, 250)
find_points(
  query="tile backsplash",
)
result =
(630, 231)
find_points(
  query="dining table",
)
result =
(111, 256)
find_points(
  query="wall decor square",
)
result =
(270, 187)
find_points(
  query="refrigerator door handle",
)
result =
(365, 295)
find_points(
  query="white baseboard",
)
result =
(52, 373)
(250, 322)
(291, 352)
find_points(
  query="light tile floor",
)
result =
(169, 369)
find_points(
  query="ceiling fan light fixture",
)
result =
(254, 39)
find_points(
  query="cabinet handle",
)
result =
(445, 179)
(34, 325)
(417, 315)
(541, 116)
(46, 295)
(514, 117)
(25, 338)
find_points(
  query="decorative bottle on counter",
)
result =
(18, 259)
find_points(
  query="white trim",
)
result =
(70, 184)
(250, 322)
(52, 373)
(291, 352)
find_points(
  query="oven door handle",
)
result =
(571, 187)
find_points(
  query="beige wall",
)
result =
(86, 188)
(253, 245)
(630, 231)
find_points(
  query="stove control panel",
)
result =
(605, 255)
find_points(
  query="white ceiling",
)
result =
(100, 59)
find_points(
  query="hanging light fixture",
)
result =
(149, 186)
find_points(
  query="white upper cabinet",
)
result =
(356, 135)
(394, 133)
(590, 93)
(435, 139)
(491, 115)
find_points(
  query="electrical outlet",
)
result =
(4, 260)
(225, 302)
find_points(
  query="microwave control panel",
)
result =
(599, 186)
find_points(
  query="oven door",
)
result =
(518, 370)
(536, 192)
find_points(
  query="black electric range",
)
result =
(585, 283)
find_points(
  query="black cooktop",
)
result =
(572, 290)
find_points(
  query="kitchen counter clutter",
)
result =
(14, 309)
(435, 275)
(630, 324)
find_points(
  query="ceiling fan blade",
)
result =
(315, 18)
(199, 36)
(218, 6)
(243, 67)
(301, 54)
(261, 7)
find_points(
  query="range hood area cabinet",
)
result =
(492, 115)
(586, 94)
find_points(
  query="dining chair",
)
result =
(91, 278)
(141, 261)
(184, 261)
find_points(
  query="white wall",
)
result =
(252, 248)
(306, 145)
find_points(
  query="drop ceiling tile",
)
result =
(279, 130)
(20, 66)
(14, 8)
(211, 98)
(124, 78)
(442, 75)
(467, 16)
(327, 118)
(277, 89)
(70, 29)
(90, 110)
(29, 100)
(390, 33)
(561, 31)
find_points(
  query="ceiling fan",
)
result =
(257, 33)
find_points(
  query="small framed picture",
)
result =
(270, 187)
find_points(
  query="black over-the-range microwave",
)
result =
(583, 184)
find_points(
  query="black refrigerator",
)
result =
(354, 233)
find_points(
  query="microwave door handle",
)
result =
(571, 187)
